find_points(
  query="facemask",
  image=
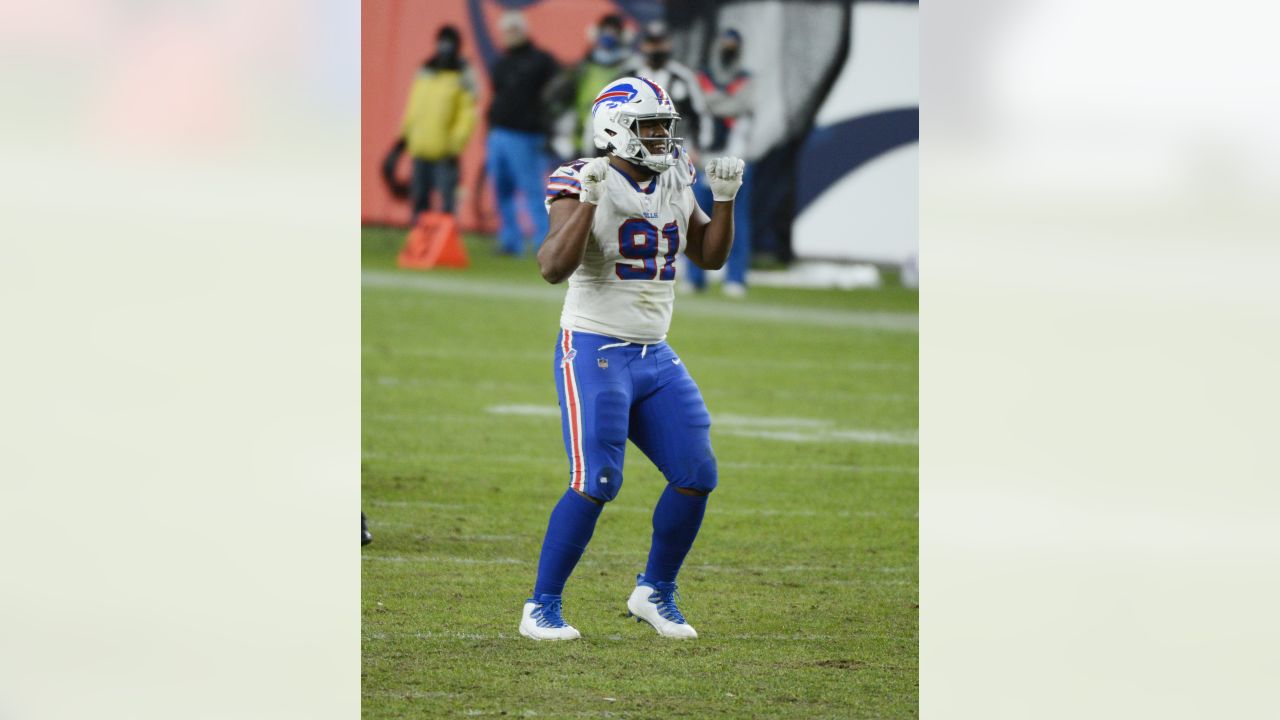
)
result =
(729, 56)
(658, 58)
(607, 50)
(446, 47)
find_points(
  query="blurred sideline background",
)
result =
(835, 120)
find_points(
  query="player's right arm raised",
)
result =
(561, 253)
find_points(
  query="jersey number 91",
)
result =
(638, 241)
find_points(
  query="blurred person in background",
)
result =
(517, 133)
(438, 119)
(574, 90)
(730, 97)
(654, 62)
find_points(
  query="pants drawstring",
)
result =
(643, 348)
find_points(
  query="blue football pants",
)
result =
(611, 391)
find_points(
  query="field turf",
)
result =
(802, 584)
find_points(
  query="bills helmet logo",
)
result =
(657, 90)
(613, 96)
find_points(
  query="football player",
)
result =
(617, 224)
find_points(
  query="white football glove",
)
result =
(593, 178)
(725, 176)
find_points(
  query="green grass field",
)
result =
(803, 583)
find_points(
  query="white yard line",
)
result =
(789, 429)
(743, 360)
(706, 307)
(541, 387)
(754, 421)
(804, 434)
(885, 469)
(801, 397)
(870, 437)
(549, 411)
(724, 464)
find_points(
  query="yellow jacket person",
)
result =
(438, 120)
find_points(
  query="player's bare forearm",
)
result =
(561, 253)
(710, 239)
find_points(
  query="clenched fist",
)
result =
(725, 176)
(593, 178)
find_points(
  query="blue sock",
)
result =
(676, 520)
(572, 522)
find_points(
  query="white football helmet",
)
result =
(615, 118)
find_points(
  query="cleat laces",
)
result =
(547, 614)
(665, 595)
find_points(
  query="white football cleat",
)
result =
(541, 620)
(655, 603)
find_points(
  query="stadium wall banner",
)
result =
(857, 191)
(836, 128)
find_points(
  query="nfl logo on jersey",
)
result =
(602, 363)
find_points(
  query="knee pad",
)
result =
(604, 484)
(703, 478)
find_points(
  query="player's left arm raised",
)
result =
(710, 238)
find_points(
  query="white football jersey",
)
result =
(625, 286)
